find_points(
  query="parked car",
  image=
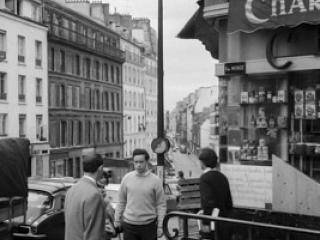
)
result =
(45, 214)
(112, 191)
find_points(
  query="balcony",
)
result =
(3, 96)
(22, 98)
(83, 41)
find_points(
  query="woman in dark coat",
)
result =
(214, 191)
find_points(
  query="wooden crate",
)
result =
(190, 194)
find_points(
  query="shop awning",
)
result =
(251, 15)
(198, 28)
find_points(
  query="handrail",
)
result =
(249, 224)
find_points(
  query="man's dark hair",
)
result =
(140, 151)
(209, 157)
(92, 162)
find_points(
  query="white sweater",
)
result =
(141, 199)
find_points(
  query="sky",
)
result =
(187, 65)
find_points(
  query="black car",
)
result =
(45, 215)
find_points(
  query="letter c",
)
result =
(250, 15)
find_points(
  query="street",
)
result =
(189, 164)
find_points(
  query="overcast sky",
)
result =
(187, 65)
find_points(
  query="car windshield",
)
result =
(38, 203)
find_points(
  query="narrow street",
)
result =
(187, 163)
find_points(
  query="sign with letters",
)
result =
(251, 15)
(234, 68)
(251, 186)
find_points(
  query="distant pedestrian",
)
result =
(214, 191)
(179, 183)
(142, 204)
(84, 206)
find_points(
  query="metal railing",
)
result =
(84, 40)
(285, 232)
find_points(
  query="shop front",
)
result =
(269, 98)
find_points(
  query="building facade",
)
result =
(134, 115)
(24, 79)
(85, 89)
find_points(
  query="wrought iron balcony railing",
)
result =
(84, 41)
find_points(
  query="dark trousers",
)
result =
(140, 232)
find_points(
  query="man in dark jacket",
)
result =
(214, 191)
(84, 206)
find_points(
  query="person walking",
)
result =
(214, 191)
(142, 204)
(84, 206)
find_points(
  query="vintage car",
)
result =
(45, 215)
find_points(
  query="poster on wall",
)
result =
(251, 186)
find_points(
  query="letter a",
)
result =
(297, 4)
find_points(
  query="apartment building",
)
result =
(85, 88)
(24, 78)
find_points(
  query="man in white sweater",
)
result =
(142, 203)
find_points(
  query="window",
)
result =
(106, 99)
(87, 68)
(112, 132)
(97, 97)
(106, 72)
(3, 86)
(79, 140)
(62, 61)
(77, 64)
(112, 74)
(52, 94)
(3, 44)
(39, 128)
(118, 101)
(88, 132)
(118, 132)
(21, 88)
(63, 133)
(118, 75)
(75, 97)
(52, 59)
(62, 96)
(38, 90)
(87, 93)
(38, 53)
(97, 69)
(107, 132)
(69, 96)
(3, 124)
(21, 49)
(112, 102)
(97, 132)
(22, 125)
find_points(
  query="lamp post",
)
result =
(160, 119)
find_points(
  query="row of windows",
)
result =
(133, 99)
(75, 132)
(151, 108)
(22, 126)
(133, 75)
(133, 124)
(72, 63)
(71, 96)
(132, 144)
(22, 51)
(22, 83)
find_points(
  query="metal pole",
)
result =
(160, 120)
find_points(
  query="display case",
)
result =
(264, 119)
(304, 138)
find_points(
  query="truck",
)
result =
(15, 155)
